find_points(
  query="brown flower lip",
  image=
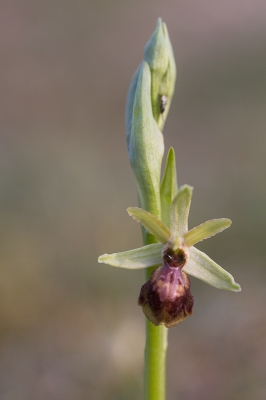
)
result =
(166, 298)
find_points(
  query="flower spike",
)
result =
(165, 298)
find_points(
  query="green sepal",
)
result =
(160, 57)
(206, 230)
(168, 188)
(151, 223)
(179, 211)
(143, 257)
(204, 268)
(146, 145)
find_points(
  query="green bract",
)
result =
(168, 187)
(178, 238)
(145, 145)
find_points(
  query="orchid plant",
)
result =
(168, 253)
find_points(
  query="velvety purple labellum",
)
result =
(168, 283)
(166, 297)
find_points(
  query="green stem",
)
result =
(155, 354)
(155, 357)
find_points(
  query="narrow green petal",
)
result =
(203, 267)
(179, 211)
(206, 230)
(151, 223)
(168, 186)
(146, 256)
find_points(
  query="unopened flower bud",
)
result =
(159, 55)
(166, 298)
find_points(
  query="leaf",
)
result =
(206, 230)
(204, 268)
(151, 223)
(143, 257)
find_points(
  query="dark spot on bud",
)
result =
(166, 297)
(163, 103)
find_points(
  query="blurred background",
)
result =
(69, 327)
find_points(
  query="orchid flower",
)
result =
(166, 297)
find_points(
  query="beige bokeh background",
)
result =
(70, 328)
